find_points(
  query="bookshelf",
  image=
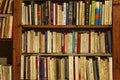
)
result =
(20, 28)
(6, 39)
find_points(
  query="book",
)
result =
(87, 5)
(93, 5)
(71, 68)
(6, 72)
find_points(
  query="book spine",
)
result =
(67, 14)
(109, 41)
(32, 12)
(70, 12)
(87, 5)
(97, 15)
(46, 21)
(93, 12)
(51, 13)
(73, 41)
(39, 14)
(74, 12)
(100, 14)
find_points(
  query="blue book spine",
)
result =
(42, 68)
(73, 41)
(109, 41)
(100, 14)
(96, 16)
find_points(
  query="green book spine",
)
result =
(93, 12)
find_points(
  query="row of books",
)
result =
(5, 72)
(88, 12)
(6, 26)
(6, 6)
(66, 68)
(81, 41)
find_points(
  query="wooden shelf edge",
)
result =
(56, 54)
(6, 39)
(68, 26)
(5, 15)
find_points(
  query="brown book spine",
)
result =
(70, 19)
(39, 14)
(87, 5)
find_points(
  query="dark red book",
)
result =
(63, 43)
(78, 45)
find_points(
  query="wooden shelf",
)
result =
(45, 0)
(6, 39)
(60, 54)
(4, 15)
(68, 26)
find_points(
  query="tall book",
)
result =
(93, 12)
(87, 5)
(71, 68)
(97, 13)
(110, 68)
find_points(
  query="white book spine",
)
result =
(110, 69)
(23, 42)
(71, 68)
(28, 41)
(21, 67)
(110, 12)
(90, 14)
(80, 12)
(106, 12)
(10, 27)
(86, 42)
(64, 14)
(83, 14)
(82, 43)
(23, 13)
(36, 15)
(92, 44)
(26, 15)
(58, 13)
(54, 42)
(103, 14)
(77, 11)
(76, 68)
(30, 21)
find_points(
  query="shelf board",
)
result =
(6, 39)
(4, 15)
(68, 26)
(60, 54)
(45, 0)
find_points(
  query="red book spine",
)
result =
(37, 67)
(63, 43)
(39, 14)
(78, 45)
